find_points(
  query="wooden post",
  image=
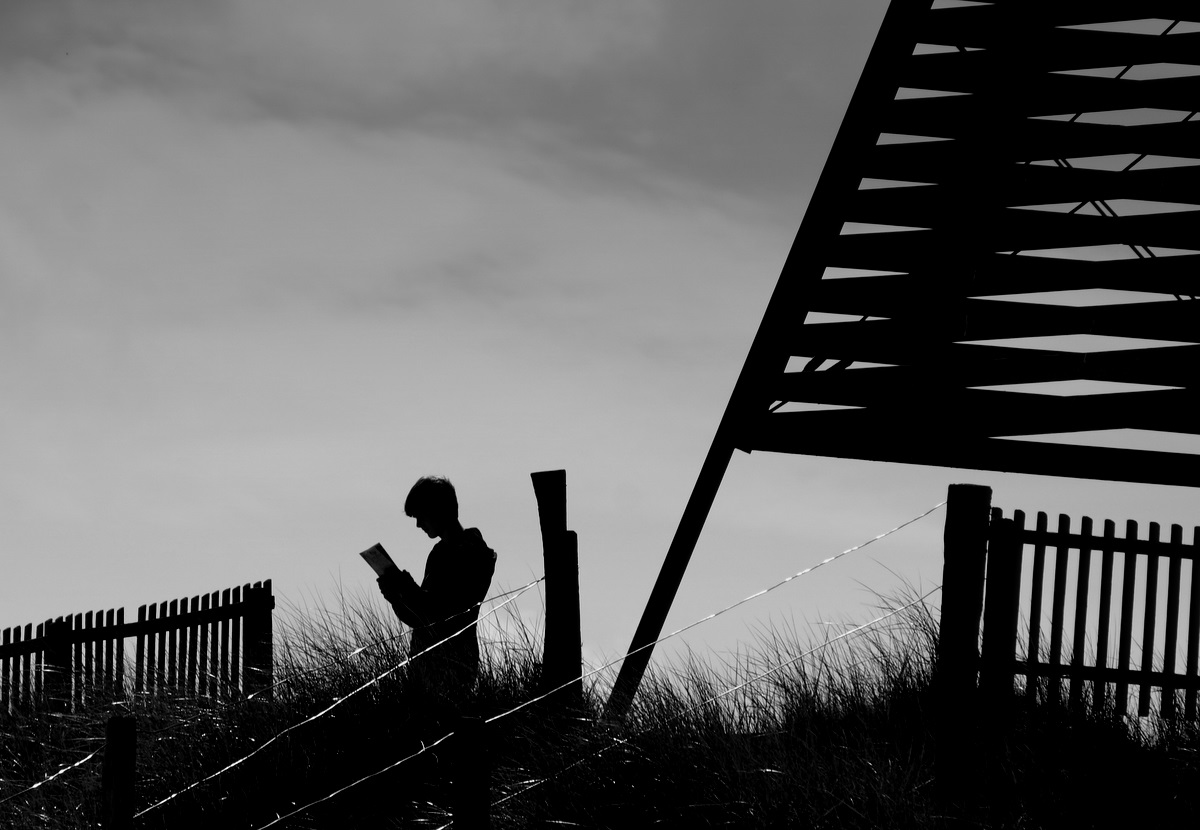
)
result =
(117, 776)
(562, 657)
(57, 666)
(259, 672)
(968, 508)
(471, 787)
(1001, 611)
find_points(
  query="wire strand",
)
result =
(520, 706)
(725, 692)
(373, 681)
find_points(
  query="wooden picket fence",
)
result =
(211, 645)
(1083, 624)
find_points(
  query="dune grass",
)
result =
(787, 733)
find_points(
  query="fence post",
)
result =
(117, 776)
(562, 658)
(257, 632)
(968, 508)
(471, 787)
(1001, 612)
(56, 684)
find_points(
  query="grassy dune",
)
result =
(787, 734)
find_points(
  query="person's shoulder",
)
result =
(473, 541)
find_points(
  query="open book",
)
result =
(378, 559)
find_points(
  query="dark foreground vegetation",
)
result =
(836, 736)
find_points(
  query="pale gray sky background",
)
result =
(265, 262)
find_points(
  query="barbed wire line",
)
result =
(544, 695)
(48, 779)
(375, 643)
(337, 702)
(858, 629)
(724, 610)
(424, 748)
(202, 715)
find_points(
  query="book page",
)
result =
(378, 559)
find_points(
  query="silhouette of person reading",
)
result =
(458, 572)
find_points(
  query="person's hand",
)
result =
(391, 584)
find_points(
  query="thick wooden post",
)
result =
(562, 657)
(1001, 612)
(968, 508)
(259, 674)
(472, 784)
(117, 776)
(56, 684)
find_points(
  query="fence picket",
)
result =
(226, 623)
(1171, 635)
(1035, 602)
(214, 631)
(139, 654)
(1148, 624)
(1193, 648)
(1128, 575)
(1079, 635)
(192, 639)
(5, 639)
(119, 655)
(1057, 608)
(235, 636)
(1104, 613)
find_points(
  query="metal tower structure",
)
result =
(1003, 248)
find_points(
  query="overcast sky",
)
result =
(265, 262)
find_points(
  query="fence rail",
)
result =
(213, 645)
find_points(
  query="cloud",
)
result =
(367, 59)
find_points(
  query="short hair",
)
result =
(432, 494)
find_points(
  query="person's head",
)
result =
(434, 504)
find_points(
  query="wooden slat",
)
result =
(1057, 50)
(848, 434)
(1057, 621)
(174, 646)
(938, 162)
(26, 695)
(1020, 187)
(139, 670)
(202, 666)
(1035, 603)
(119, 655)
(226, 624)
(1100, 697)
(1193, 648)
(1149, 619)
(235, 644)
(995, 25)
(162, 679)
(1171, 633)
(110, 653)
(1079, 633)
(5, 672)
(904, 295)
(1002, 605)
(1124, 643)
(89, 653)
(153, 661)
(81, 693)
(193, 643)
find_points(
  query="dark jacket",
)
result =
(457, 575)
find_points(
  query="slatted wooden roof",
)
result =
(1027, 174)
(1013, 199)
